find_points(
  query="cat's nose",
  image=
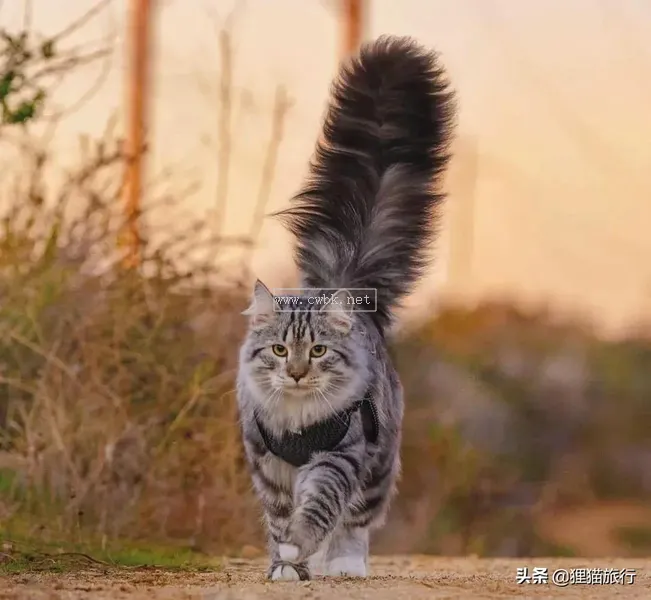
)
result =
(296, 374)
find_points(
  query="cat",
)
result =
(320, 403)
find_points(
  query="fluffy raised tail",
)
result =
(367, 213)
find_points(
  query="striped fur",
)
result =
(362, 221)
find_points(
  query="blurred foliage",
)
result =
(19, 99)
(116, 386)
(31, 65)
(518, 416)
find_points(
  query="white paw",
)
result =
(317, 563)
(285, 573)
(288, 552)
(347, 566)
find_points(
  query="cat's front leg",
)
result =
(273, 483)
(280, 568)
(323, 489)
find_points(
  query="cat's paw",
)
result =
(285, 573)
(347, 566)
(317, 563)
(288, 572)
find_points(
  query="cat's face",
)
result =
(305, 355)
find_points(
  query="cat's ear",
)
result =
(261, 309)
(339, 311)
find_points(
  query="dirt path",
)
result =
(394, 578)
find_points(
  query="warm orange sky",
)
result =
(554, 97)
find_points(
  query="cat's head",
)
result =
(303, 351)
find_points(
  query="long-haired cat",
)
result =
(320, 403)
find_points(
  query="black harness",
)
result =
(297, 448)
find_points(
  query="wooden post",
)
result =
(353, 26)
(138, 39)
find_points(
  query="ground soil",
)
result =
(392, 578)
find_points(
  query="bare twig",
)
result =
(89, 93)
(27, 14)
(70, 63)
(33, 66)
(226, 23)
(282, 105)
(82, 20)
(224, 125)
(224, 30)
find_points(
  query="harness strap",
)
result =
(297, 448)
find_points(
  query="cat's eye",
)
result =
(318, 350)
(279, 350)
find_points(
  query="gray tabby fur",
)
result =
(363, 220)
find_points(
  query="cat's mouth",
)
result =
(296, 389)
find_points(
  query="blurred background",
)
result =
(142, 143)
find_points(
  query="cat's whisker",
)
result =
(276, 395)
(334, 412)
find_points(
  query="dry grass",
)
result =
(117, 408)
(116, 385)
